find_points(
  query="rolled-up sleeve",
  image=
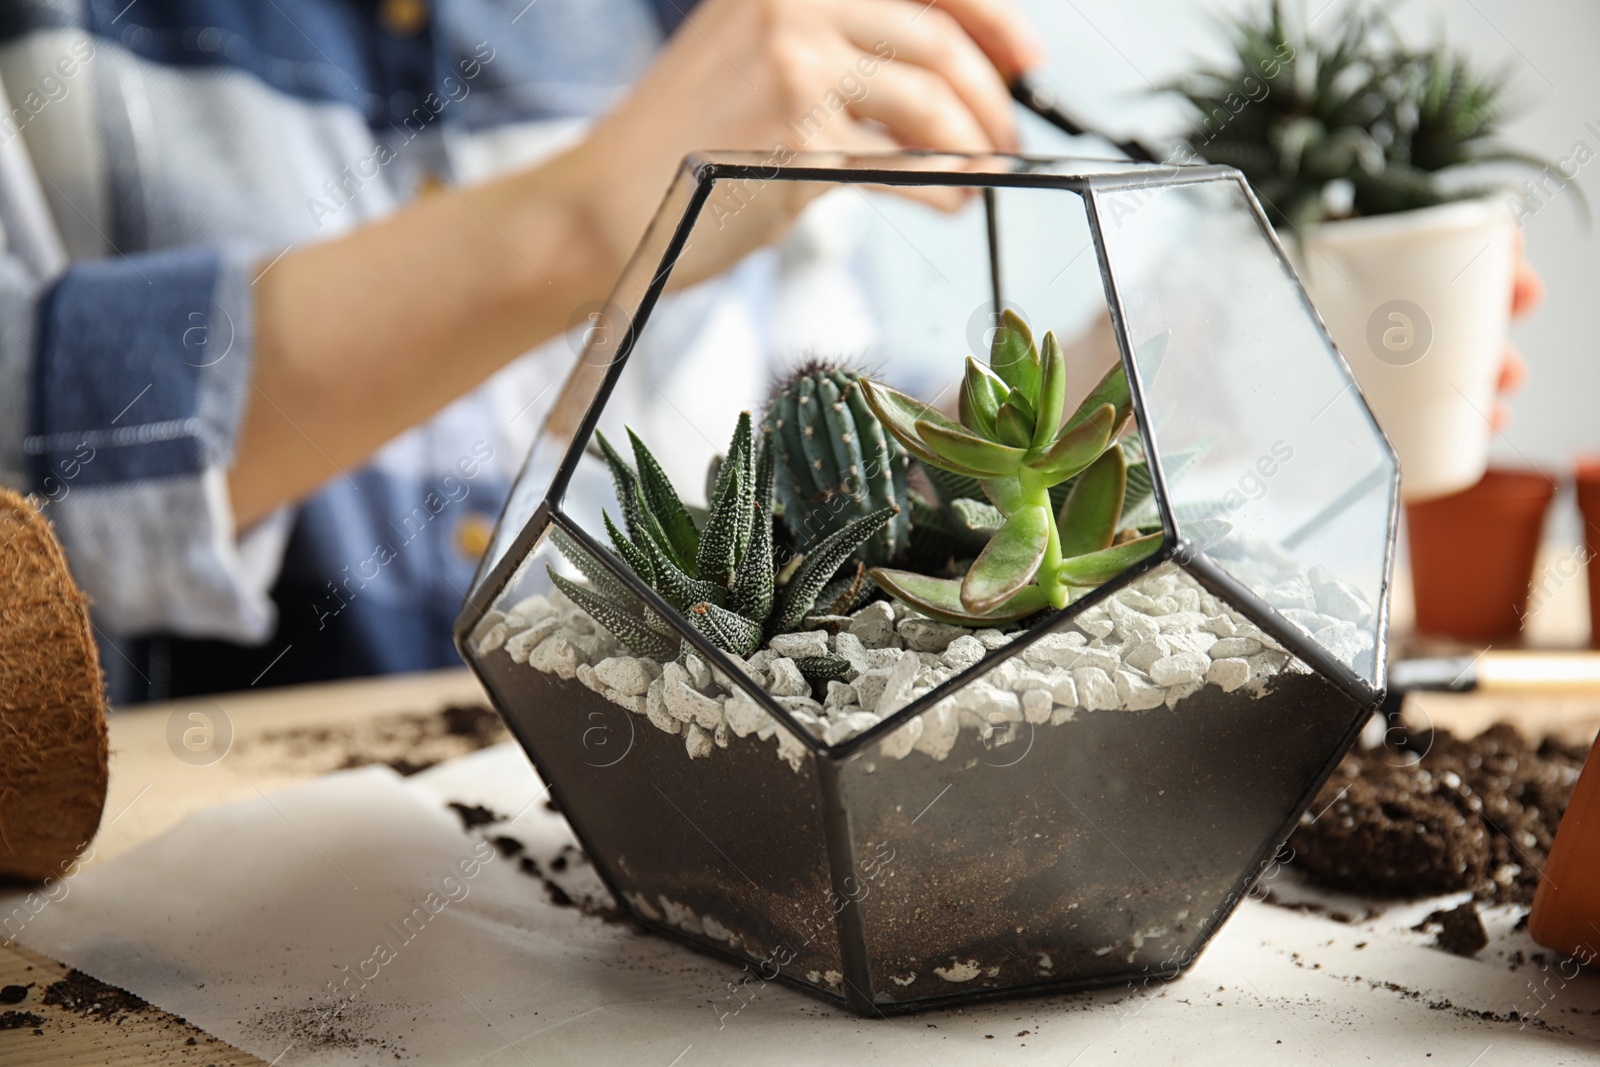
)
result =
(140, 373)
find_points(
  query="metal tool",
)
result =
(1042, 102)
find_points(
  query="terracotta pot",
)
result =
(1566, 908)
(1588, 480)
(1472, 554)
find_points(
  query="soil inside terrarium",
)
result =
(1110, 847)
(1102, 848)
(728, 850)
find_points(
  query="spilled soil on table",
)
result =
(1444, 815)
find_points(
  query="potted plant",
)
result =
(1371, 156)
(902, 705)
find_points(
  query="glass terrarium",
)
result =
(942, 576)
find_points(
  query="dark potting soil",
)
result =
(20, 1020)
(474, 815)
(1102, 848)
(408, 742)
(13, 994)
(1107, 847)
(1476, 814)
(83, 995)
(1458, 930)
(736, 837)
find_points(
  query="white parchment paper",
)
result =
(353, 920)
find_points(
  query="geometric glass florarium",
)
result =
(885, 803)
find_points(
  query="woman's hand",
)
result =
(782, 76)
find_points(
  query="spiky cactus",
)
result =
(721, 574)
(1011, 438)
(834, 462)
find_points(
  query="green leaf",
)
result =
(841, 595)
(1093, 510)
(900, 414)
(981, 396)
(800, 594)
(940, 598)
(634, 556)
(754, 578)
(765, 460)
(626, 483)
(1012, 425)
(676, 587)
(661, 499)
(952, 486)
(956, 447)
(1005, 493)
(1097, 568)
(1008, 562)
(599, 575)
(977, 515)
(626, 626)
(729, 514)
(1113, 390)
(725, 629)
(1077, 446)
(822, 668)
(1052, 393)
(1148, 356)
(1013, 355)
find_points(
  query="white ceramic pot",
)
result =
(1419, 304)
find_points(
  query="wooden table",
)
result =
(281, 737)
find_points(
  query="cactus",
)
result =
(1011, 438)
(721, 573)
(835, 464)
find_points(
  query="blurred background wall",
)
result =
(1108, 56)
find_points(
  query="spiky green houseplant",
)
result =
(1346, 120)
(1012, 439)
(721, 575)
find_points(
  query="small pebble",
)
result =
(802, 645)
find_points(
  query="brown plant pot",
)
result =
(1566, 908)
(1588, 479)
(1472, 554)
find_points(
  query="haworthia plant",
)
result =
(1011, 438)
(720, 574)
(834, 462)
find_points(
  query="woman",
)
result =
(260, 259)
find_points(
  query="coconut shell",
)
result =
(53, 748)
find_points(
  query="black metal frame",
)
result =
(704, 172)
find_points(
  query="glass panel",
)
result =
(1092, 808)
(1274, 467)
(894, 287)
(596, 331)
(646, 763)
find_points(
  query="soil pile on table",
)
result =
(1476, 814)
(408, 741)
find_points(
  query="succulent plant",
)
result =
(1012, 440)
(1347, 121)
(834, 462)
(720, 574)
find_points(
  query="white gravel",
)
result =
(1150, 645)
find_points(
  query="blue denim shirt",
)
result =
(154, 159)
